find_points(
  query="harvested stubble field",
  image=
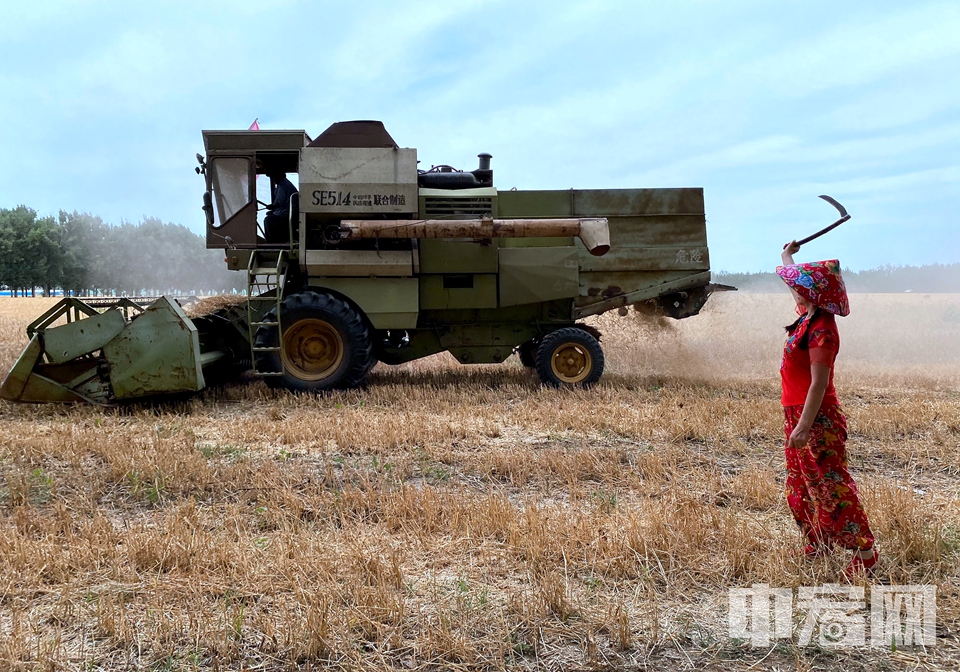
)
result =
(451, 517)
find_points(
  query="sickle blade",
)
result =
(833, 202)
(843, 217)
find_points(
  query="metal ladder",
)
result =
(265, 286)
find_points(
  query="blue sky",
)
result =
(763, 104)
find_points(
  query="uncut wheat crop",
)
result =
(465, 518)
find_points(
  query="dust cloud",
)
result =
(889, 339)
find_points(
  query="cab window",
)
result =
(231, 186)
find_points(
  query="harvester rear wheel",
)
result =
(569, 357)
(325, 344)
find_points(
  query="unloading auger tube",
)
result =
(594, 232)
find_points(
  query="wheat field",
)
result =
(464, 518)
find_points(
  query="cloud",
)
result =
(385, 44)
(763, 105)
(784, 154)
(859, 50)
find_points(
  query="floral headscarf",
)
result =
(819, 282)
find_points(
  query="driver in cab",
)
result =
(276, 221)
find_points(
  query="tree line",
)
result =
(931, 278)
(81, 254)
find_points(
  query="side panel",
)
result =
(239, 232)
(42, 390)
(370, 263)
(442, 292)
(649, 258)
(439, 255)
(388, 304)
(16, 380)
(237, 260)
(601, 202)
(607, 284)
(606, 290)
(72, 340)
(532, 274)
(536, 242)
(658, 238)
(158, 352)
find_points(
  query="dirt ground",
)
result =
(465, 518)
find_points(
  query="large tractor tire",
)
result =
(569, 357)
(326, 344)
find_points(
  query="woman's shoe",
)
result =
(860, 565)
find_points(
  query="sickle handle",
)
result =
(843, 217)
(824, 230)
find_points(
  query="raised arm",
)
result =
(789, 250)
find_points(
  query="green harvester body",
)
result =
(378, 261)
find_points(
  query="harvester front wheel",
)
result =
(324, 345)
(569, 357)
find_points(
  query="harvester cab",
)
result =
(383, 262)
(232, 165)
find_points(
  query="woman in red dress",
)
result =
(820, 491)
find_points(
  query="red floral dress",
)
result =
(820, 491)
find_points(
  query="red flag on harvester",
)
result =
(255, 126)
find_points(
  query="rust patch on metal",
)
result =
(611, 292)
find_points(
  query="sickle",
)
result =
(843, 217)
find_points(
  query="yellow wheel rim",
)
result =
(312, 350)
(571, 363)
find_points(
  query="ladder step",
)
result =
(264, 280)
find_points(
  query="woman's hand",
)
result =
(789, 250)
(799, 437)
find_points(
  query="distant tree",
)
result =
(6, 249)
(32, 256)
(151, 257)
(74, 271)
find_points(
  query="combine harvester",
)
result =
(382, 262)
